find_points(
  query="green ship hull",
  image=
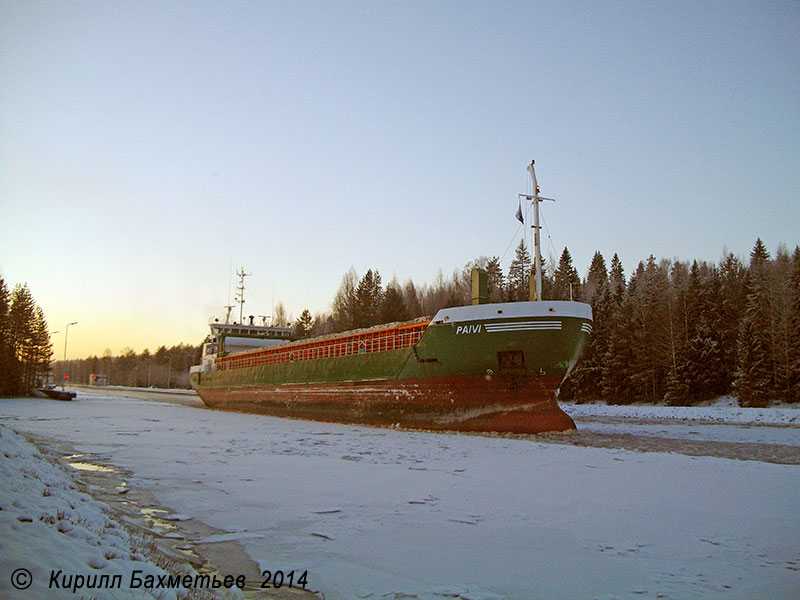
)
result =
(488, 367)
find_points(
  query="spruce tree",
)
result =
(343, 308)
(759, 255)
(393, 308)
(519, 273)
(678, 390)
(566, 283)
(648, 303)
(547, 279)
(714, 375)
(623, 333)
(616, 280)
(368, 300)
(588, 374)
(794, 325)
(754, 377)
(596, 280)
(695, 373)
(780, 281)
(495, 280)
(614, 360)
(731, 303)
(412, 300)
(42, 352)
(755, 374)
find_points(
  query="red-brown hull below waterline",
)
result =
(475, 404)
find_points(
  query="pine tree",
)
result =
(21, 315)
(25, 349)
(9, 370)
(303, 325)
(21, 319)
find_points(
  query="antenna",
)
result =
(240, 292)
(230, 279)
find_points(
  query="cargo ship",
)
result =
(485, 367)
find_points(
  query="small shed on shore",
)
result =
(98, 379)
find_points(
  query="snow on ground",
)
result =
(724, 410)
(383, 514)
(55, 537)
(719, 421)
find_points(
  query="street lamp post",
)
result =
(64, 364)
(49, 374)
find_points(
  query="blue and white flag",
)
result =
(519, 213)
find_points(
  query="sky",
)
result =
(150, 149)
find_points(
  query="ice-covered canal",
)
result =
(375, 513)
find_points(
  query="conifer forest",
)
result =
(669, 331)
(25, 349)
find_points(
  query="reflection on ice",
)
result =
(85, 466)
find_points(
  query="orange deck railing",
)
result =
(377, 340)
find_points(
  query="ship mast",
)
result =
(536, 288)
(240, 292)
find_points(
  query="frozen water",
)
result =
(378, 513)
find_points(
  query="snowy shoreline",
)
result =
(724, 410)
(58, 539)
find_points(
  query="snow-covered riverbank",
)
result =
(724, 411)
(374, 513)
(58, 541)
